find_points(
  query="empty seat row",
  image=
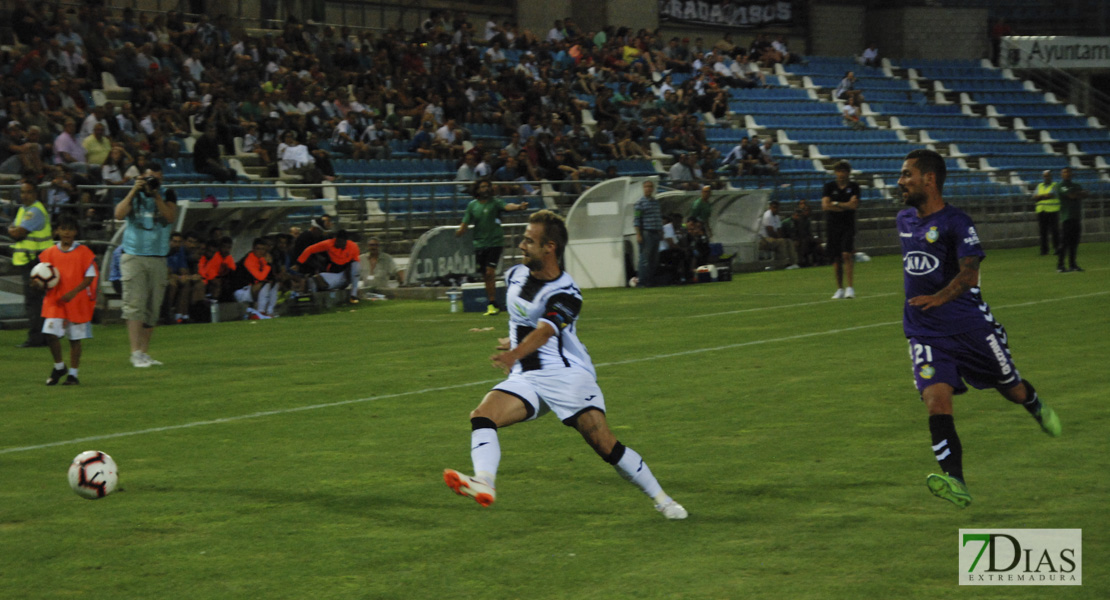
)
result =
(780, 121)
(970, 135)
(843, 136)
(857, 151)
(755, 107)
(944, 122)
(1002, 148)
(899, 109)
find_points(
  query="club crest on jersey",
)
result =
(927, 372)
(932, 235)
(919, 263)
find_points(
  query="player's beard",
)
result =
(914, 200)
(533, 263)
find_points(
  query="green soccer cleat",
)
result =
(949, 488)
(1050, 423)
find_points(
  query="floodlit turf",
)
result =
(785, 422)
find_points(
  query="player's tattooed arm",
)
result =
(967, 278)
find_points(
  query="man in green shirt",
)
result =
(484, 212)
(702, 210)
(1071, 196)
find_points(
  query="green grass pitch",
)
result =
(302, 457)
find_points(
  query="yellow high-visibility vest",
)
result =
(1049, 204)
(27, 249)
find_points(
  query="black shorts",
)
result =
(840, 239)
(487, 258)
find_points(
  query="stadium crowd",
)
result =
(304, 95)
(300, 96)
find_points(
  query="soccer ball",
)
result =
(93, 475)
(46, 274)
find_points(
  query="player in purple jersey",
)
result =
(953, 336)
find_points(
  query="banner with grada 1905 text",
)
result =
(748, 14)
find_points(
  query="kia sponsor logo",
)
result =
(920, 263)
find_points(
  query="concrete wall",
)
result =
(837, 30)
(539, 16)
(634, 14)
(934, 33)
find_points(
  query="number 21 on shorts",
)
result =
(921, 353)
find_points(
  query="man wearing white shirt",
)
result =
(495, 57)
(97, 116)
(376, 138)
(492, 29)
(556, 33)
(484, 170)
(193, 65)
(772, 238)
(870, 56)
(295, 157)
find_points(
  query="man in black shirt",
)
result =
(839, 201)
(206, 156)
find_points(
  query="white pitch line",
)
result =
(282, 411)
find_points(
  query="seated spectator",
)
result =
(465, 173)
(97, 146)
(767, 160)
(673, 258)
(206, 156)
(184, 286)
(845, 90)
(379, 270)
(19, 155)
(345, 137)
(772, 238)
(252, 144)
(851, 113)
(62, 195)
(296, 159)
(780, 46)
(697, 244)
(422, 141)
(255, 282)
(494, 57)
(448, 140)
(808, 244)
(870, 56)
(114, 172)
(68, 151)
(341, 268)
(376, 137)
(682, 173)
(505, 177)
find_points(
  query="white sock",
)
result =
(632, 467)
(271, 296)
(73, 371)
(485, 453)
(59, 366)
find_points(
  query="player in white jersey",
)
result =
(549, 370)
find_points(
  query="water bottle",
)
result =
(214, 307)
(454, 295)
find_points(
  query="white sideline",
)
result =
(295, 409)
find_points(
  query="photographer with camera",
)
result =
(150, 220)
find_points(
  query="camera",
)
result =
(151, 183)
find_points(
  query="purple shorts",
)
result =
(980, 358)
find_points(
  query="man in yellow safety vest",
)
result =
(1048, 212)
(32, 234)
